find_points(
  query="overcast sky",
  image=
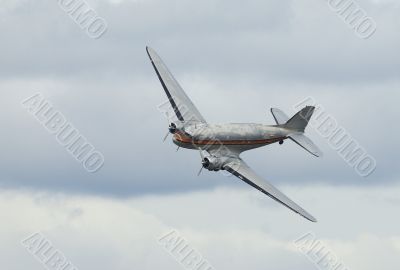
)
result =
(235, 60)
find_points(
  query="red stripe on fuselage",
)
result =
(182, 138)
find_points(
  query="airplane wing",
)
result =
(240, 169)
(182, 106)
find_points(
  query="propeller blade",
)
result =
(201, 169)
(201, 154)
(166, 136)
(202, 157)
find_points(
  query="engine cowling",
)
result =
(174, 127)
(213, 163)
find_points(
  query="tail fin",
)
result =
(300, 120)
(297, 124)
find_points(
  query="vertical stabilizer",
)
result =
(300, 120)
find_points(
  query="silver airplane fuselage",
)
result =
(240, 137)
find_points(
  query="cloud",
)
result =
(126, 127)
(234, 62)
(244, 229)
(282, 40)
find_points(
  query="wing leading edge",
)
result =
(182, 105)
(241, 170)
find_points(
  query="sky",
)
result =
(235, 60)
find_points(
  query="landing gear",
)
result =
(281, 142)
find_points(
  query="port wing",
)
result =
(182, 106)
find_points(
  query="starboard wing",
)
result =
(241, 170)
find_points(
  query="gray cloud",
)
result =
(235, 61)
(249, 58)
(253, 231)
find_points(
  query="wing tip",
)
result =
(310, 218)
(148, 50)
(313, 219)
(318, 153)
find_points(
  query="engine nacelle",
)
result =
(213, 163)
(173, 127)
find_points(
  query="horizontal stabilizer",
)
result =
(280, 117)
(306, 143)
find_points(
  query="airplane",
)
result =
(220, 145)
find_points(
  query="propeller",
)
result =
(202, 162)
(201, 169)
(171, 130)
(166, 136)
